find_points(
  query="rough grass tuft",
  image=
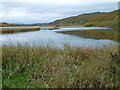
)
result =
(46, 67)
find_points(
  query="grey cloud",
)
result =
(43, 12)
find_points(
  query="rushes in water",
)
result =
(12, 30)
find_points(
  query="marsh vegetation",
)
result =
(49, 67)
(25, 66)
(15, 30)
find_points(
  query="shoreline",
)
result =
(44, 27)
(19, 27)
(37, 27)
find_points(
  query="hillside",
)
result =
(4, 24)
(108, 19)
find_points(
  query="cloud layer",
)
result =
(44, 11)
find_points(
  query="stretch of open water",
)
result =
(52, 37)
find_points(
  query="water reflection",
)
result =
(110, 34)
(53, 38)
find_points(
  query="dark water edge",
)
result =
(110, 34)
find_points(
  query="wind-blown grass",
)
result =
(71, 67)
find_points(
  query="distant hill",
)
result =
(100, 19)
(106, 19)
(4, 24)
(37, 24)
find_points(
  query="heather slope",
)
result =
(108, 19)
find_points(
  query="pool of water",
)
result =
(52, 37)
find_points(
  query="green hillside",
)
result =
(108, 19)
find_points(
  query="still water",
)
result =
(54, 38)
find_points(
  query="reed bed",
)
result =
(49, 67)
(15, 30)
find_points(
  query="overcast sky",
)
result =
(44, 11)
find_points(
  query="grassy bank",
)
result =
(15, 30)
(37, 67)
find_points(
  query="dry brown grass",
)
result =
(18, 29)
(60, 68)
